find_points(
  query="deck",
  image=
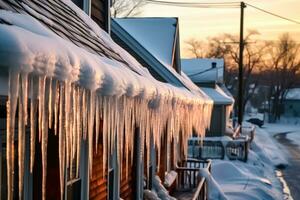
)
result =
(189, 185)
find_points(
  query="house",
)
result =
(291, 103)
(154, 42)
(208, 74)
(81, 115)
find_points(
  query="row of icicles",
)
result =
(75, 113)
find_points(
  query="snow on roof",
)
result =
(293, 94)
(218, 96)
(75, 51)
(160, 45)
(200, 70)
(157, 35)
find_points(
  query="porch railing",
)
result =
(189, 180)
(233, 149)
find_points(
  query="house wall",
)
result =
(291, 108)
(98, 10)
(98, 181)
(100, 13)
(218, 121)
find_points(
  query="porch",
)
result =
(189, 185)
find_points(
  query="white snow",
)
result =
(160, 190)
(256, 178)
(170, 178)
(214, 190)
(293, 94)
(200, 70)
(218, 96)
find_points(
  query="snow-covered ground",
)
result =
(255, 179)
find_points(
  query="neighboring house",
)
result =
(291, 103)
(154, 42)
(95, 114)
(208, 74)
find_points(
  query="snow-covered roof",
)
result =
(158, 45)
(201, 70)
(157, 35)
(293, 94)
(218, 96)
(70, 46)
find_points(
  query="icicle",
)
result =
(97, 122)
(56, 106)
(41, 103)
(33, 114)
(67, 121)
(52, 102)
(91, 120)
(45, 136)
(11, 106)
(104, 133)
(79, 131)
(84, 113)
(21, 129)
(61, 139)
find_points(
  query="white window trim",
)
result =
(87, 7)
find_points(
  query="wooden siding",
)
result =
(99, 13)
(126, 185)
(98, 181)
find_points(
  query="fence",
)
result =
(216, 149)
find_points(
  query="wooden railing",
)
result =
(189, 179)
(233, 150)
(237, 132)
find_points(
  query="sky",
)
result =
(202, 23)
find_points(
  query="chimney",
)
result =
(213, 65)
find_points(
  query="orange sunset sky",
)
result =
(201, 23)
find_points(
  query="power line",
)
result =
(270, 13)
(196, 5)
(233, 4)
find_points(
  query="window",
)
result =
(79, 3)
(74, 189)
(111, 177)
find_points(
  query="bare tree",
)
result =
(126, 8)
(283, 66)
(196, 48)
(226, 46)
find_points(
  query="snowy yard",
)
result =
(255, 179)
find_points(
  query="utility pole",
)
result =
(240, 88)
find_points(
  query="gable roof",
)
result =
(293, 94)
(143, 33)
(218, 96)
(157, 35)
(201, 70)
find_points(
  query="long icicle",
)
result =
(44, 138)
(13, 87)
(91, 121)
(21, 130)
(97, 122)
(33, 114)
(79, 131)
(61, 138)
(41, 103)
